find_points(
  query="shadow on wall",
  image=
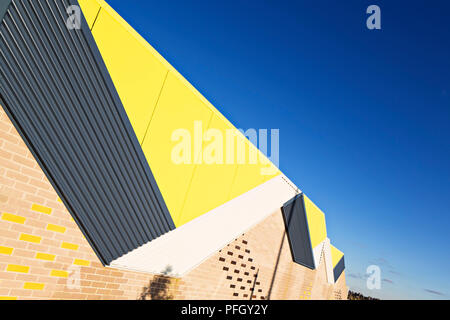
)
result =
(159, 287)
(275, 269)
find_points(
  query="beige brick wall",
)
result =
(43, 254)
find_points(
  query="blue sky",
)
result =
(363, 115)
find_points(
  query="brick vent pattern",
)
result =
(44, 255)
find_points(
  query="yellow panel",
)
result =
(13, 218)
(178, 109)
(17, 268)
(136, 71)
(81, 262)
(6, 250)
(30, 238)
(336, 255)
(212, 182)
(41, 209)
(250, 175)
(33, 286)
(70, 246)
(158, 100)
(45, 256)
(316, 222)
(90, 10)
(56, 228)
(59, 273)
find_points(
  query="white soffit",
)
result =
(187, 246)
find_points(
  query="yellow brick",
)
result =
(59, 199)
(33, 286)
(17, 268)
(41, 209)
(6, 250)
(45, 256)
(59, 273)
(13, 218)
(8, 298)
(80, 262)
(56, 228)
(70, 246)
(30, 238)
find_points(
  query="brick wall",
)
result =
(43, 254)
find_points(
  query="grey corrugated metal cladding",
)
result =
(339, 268)
(57, 91)
(294, 215)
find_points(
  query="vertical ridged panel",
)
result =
(58, 93)
(297, 230)
(338, 269)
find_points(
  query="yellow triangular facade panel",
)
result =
(159, 103)
(316, 222)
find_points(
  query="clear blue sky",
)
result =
(363, 115)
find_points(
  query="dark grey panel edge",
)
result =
(152, 195)
(4, 4)
(296, 223)
(338, 269)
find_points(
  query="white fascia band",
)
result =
(187, 246)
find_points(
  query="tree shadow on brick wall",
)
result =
(159, 287)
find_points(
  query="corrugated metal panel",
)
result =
(338, 269)
(58, 93)
(298, 233)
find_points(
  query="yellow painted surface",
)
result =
(178, 108)
(45, 256)
(137, 74)
(90, 9)
(212, 182)
(336, 255)
(81, 262)
(7, 298)
(56, 228)
(33, 286)
(70, 246)
(251, 175)
(30, 238)
(59, 273)
(17, 268)
(13, 218)
(158, 101)
(6, 250)
(41, 209)
(316, 222)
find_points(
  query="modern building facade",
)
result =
(93, 204)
